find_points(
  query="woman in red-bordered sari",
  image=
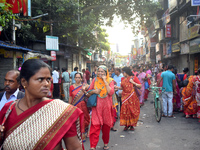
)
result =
(77, 98)
(130, 109)
(37, 122)
(188, 98)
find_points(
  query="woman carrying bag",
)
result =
(102, 113)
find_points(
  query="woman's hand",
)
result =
(131, 80)
(104, 78)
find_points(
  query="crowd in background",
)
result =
(120, 93)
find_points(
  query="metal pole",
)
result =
(13, 28)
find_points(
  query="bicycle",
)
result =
(157, 102)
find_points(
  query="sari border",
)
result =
(53, 130)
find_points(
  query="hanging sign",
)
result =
(53, 54)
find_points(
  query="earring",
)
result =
(24, 87)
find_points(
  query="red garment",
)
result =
(64, 127)
(135, 73)
(146, 94)
(87, 75)
(130, 109)
(17, 6)
(102, 113)
(78, 101)
(94, 134)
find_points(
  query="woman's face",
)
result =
(39, 84)
(141, 69)
(78, 78)
(101, 72)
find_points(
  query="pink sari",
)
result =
(141, 76)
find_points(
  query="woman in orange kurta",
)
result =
(130, 109)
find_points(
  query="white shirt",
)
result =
(4, 100)
(55, 76)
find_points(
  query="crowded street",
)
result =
(176, 133)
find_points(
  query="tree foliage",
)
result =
(5, 14)
(79, 21)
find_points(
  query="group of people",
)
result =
(46, 122)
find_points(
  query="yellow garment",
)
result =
(99, 84)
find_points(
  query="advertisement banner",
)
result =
(166, 17)
(176, 47)
(193, 32)
(134, 53)
(168, 33)
(20, 7)
(195, 2)
(169, 47)
(53, 54)
(185, 48)
(195, 46)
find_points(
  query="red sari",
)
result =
(78, 98)
(45, 125)
(130, 109)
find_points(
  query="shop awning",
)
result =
(38, 56)
(10, 46)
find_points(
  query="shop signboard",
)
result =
(172, 4)
(52, 43)
(195, 2)
(156, 22)
(169, 47)
(185, 48)
(19, 55)
(53, 54)
(153, 42)
(176, 47)
(168, 33)
(193, 32)
(195, 45)
(8, 54)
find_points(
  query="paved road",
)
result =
(175, 133)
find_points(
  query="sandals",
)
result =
(113, 129)
(132, 128)
(126, 128)
(106, 147)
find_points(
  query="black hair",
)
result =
(78, 73)
(56, 68)
(170, 67)
(135, 66)
(128, 71)
(186, 70)
(76, 68)
(175, 71)
(31, 67)
(64, 69)
(198, 71)
(118, 70)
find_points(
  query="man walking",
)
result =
(87, 72)
(72, 75)
(56, 89)
(66, 83)
(169, 86)
(117, 79)
(11, 87)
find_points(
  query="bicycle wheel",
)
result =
(158, 110)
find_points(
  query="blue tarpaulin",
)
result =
(10, 46)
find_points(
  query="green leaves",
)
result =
(5, 14)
